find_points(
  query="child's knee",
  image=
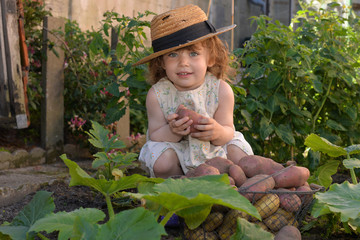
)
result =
(235, 153)
(166, 162)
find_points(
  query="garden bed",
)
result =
(71, 198)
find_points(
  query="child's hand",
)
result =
(180, 126)
(209, 129)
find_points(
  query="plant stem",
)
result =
(109, 206)
(42, 236)
(166, 218)
(322, 105)
(352, 172)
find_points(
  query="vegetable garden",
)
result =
(297, 104)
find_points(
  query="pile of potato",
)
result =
(254, 176)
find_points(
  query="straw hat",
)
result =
(178, 28)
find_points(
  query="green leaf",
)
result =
(317, 85)
(342, 198)
(64, 221)
(84, 230)
(192, 199)
(273, 80)
(271, 104)
(266, 128)
(319, 209)
(320, 144)
(41, 205)
(250, 231)
(353, 149)
(254, 91)
(137, 223)
(325, 172)
(100, 159)
(247, 117)
(335, 125)
(352, 163)
(285, 133)
(14, 232)
(106, 187)
(99, 138)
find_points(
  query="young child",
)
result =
(188, 67)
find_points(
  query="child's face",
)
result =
(186, 67)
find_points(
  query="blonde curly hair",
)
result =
(217, 50)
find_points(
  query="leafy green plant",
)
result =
(82, 223)
(300, 79)
(188, 198)
(99, 77)
(109, 155)
(341, 199)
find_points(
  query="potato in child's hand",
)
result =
(182, 112)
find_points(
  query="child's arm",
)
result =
(161, 129)
(220, 129)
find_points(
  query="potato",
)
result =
(232, 181)
(288, 215)
(213, 221)
(307, 196)
(228, 227)
(237, 174)
(199, 234)
(253, 165)
(267, 205)
(275, 222)
(293, 176)
(258, 183)
(182, 112)
(289, 201)
(288, 233)
(222, 164)
(262, 225)
(205, 169)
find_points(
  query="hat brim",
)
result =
(159, 53)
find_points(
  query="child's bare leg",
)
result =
(167, 165)
(234, 153)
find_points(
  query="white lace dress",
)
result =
(190, 151)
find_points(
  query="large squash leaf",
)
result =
(192, 199)
(250, 231)
(317, 143)
(352, 163)
(106, 187)
(342, 198)
(323, 174)
(137, 223)
(64, 221)
(40, 206)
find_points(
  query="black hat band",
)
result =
(183, 36)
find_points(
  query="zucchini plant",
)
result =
(340, 199)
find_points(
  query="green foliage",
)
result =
(317, 143)
(109, 154)
(243, 228)
(99, 78)
(192, 199)
(341, 199)
(40, 206)
(300, 79)
(81, 223)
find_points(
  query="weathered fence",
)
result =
(12, 90)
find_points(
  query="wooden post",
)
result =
(4, 85)
(13, 77)
(52, 106)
